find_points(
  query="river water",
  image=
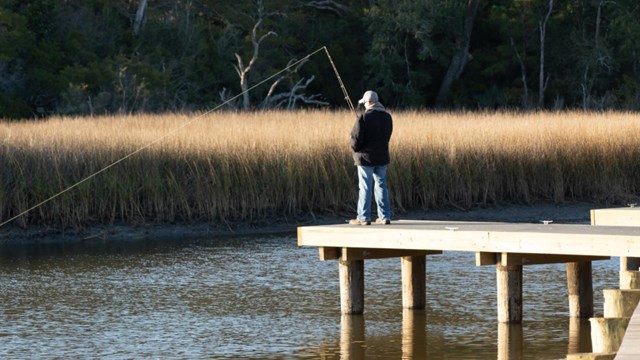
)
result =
(265, 298)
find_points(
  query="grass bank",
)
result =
(228, 167)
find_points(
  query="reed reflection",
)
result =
(352, 341)
(510, 340)
(414, 334)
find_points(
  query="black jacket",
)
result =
(370, 138)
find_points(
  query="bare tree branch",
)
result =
(242, 70)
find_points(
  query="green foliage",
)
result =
(82, 57)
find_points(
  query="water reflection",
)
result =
(510, 341)
(414, 334)
(579, 336)
(352, 342)
(266, 298)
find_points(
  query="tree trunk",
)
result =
(461, 55)
(543, 33)
(137, 24)
(523, 71)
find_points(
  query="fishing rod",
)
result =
(344, 89)
(187, 123)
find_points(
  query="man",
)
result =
(370, 144)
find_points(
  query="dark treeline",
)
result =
(86, 57)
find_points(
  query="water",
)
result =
(265, 298)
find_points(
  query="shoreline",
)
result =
(568, 213)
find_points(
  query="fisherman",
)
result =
(370, 137)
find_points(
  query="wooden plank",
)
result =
(630, 347)
(329, 253)
(629, 216)
(559, 239)
(485, 258)
(507, 259)
(350, 254)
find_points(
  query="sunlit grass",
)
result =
(226, 167)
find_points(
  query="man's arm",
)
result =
(357, 134)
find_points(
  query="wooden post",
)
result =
(620, 303)
(414, 334)
(629, 263)
(629, 279)
(509, 284)
(352, 287)
(352, 337)
(413, 282)
(580, 289)
(607, 333)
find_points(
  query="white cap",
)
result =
(369, 96)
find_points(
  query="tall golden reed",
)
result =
(227, 167)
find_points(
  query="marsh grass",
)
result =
(227, 167)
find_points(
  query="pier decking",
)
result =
(630, 348)
(479, 237)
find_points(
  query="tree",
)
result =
(543, 33)
(400, 44)
(243, 70)
(461, 55)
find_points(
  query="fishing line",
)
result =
(187, 123)
(344, 90)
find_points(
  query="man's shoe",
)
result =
(359, 222)
(383, 221)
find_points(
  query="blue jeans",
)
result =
(367, 175)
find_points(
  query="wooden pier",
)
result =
(507, 246)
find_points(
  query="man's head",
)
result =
(369, 99)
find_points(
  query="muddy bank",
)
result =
(568, 213)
